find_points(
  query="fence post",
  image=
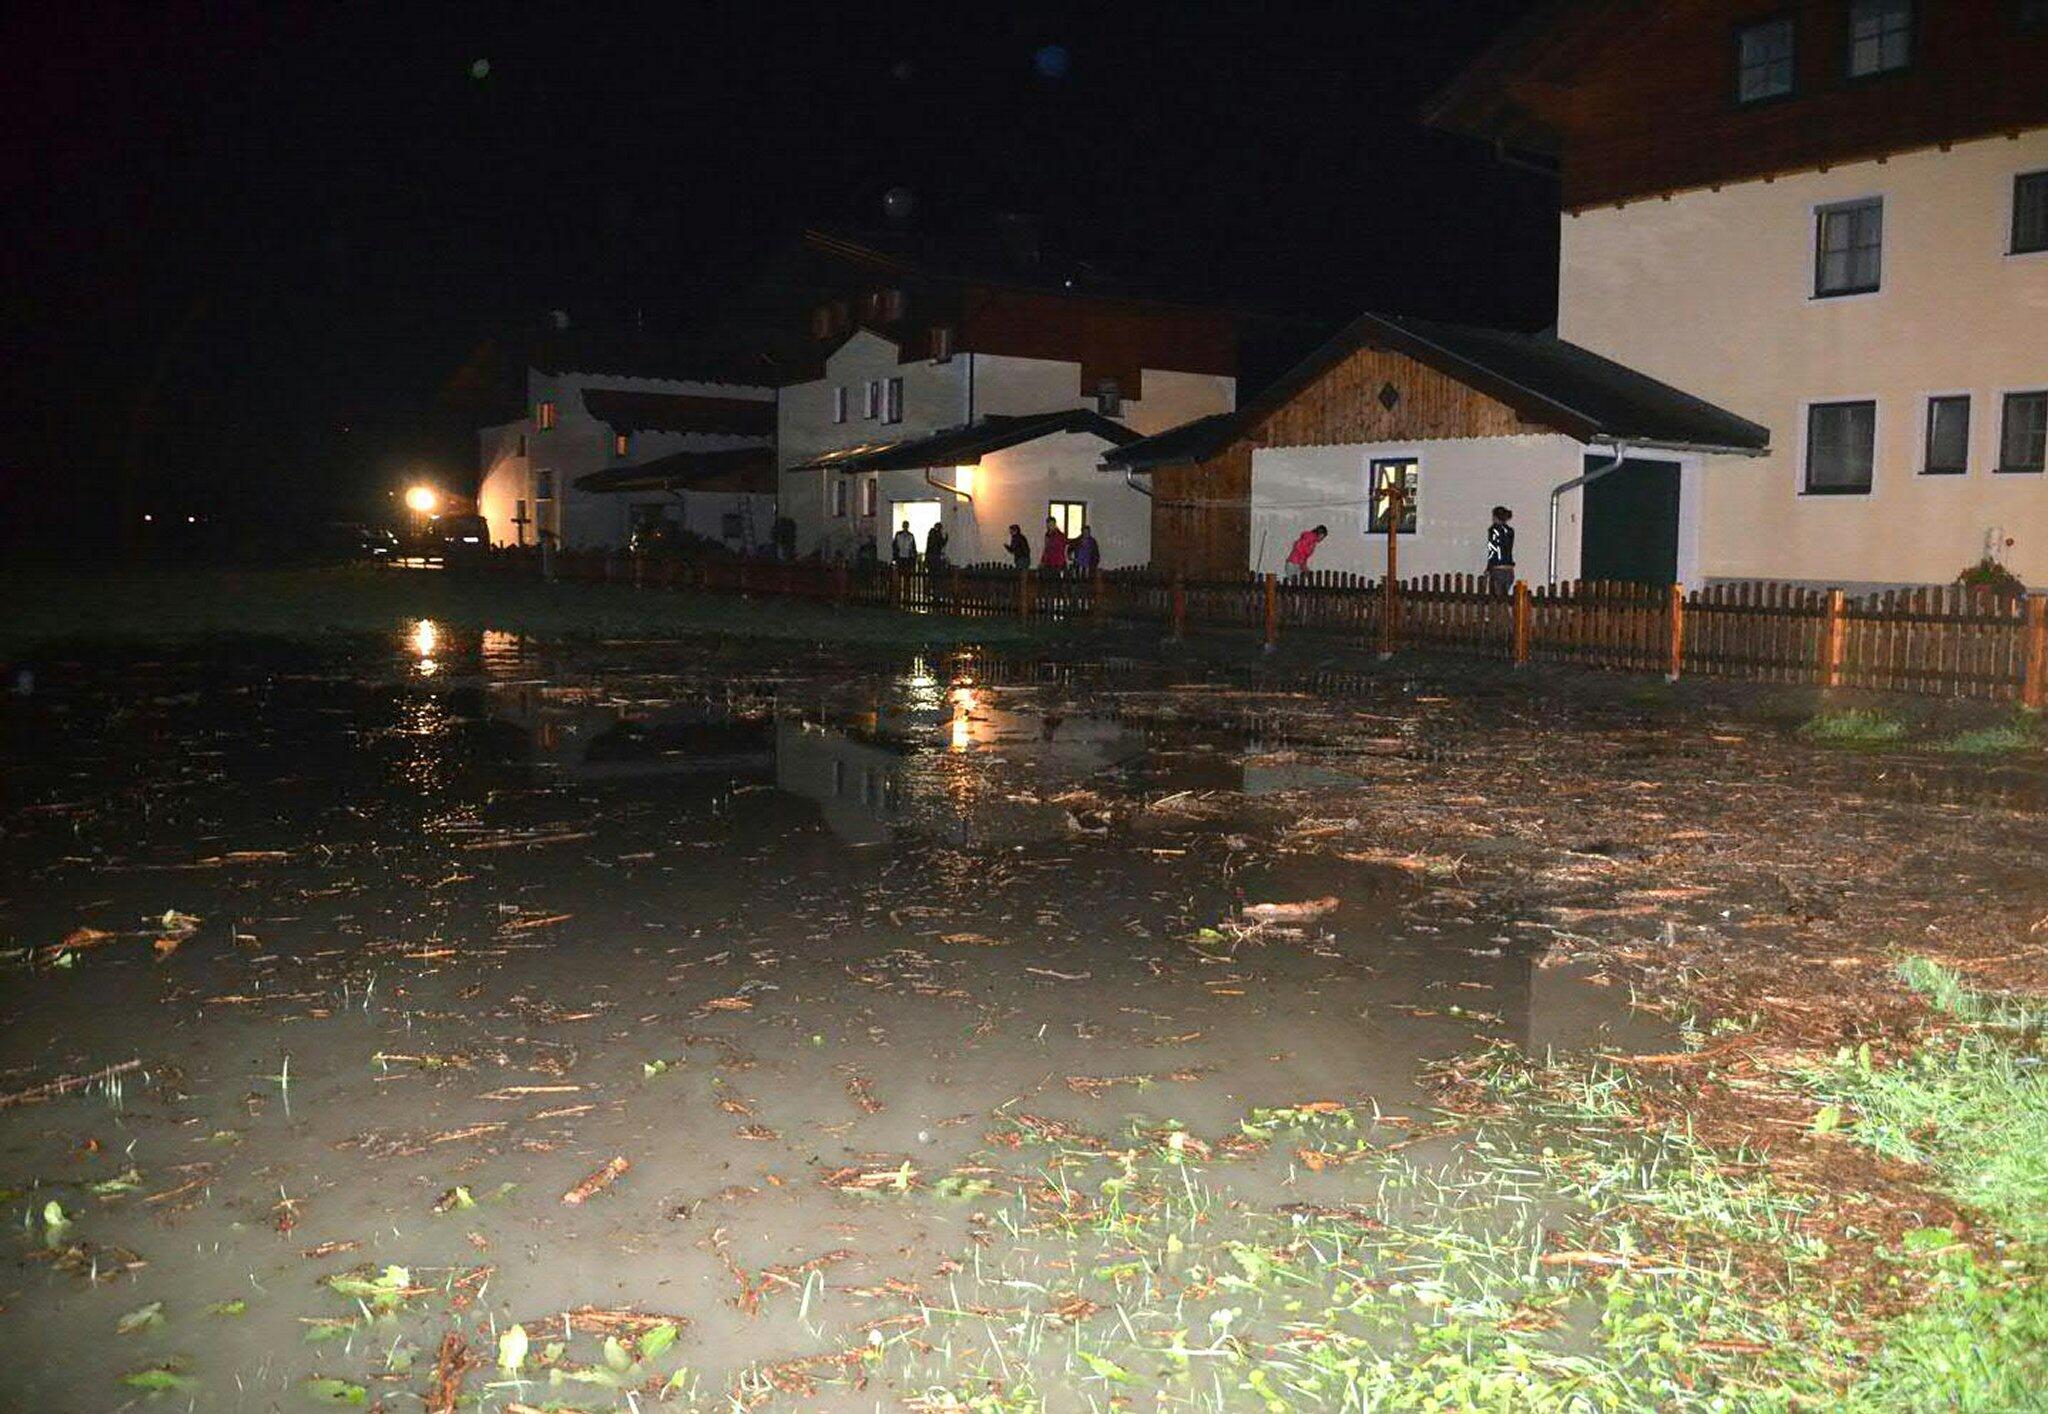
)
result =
(1521, 646)
(1272, 613)
(1389, 607)
(1837, 634)
(2034, 688)
(1180, 609)
(1676, 662)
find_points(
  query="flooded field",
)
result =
(464, 1018)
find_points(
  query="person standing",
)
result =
(1054, 555)
(1085, 552)
(903, 548)
(1019, 548)
(1304, 548)
(1500, 552)
(935, 547)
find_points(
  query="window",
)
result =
(838, 495)
(1109, 399)
(544, 416)
(1841, 444)
(2029, 212)
(942, 342)
(1070, 516)
(869, 494)
(622, 443)
(1948, 436)
(2023, 440)
(1389, 473)
(839, 403)
(1880, 36)
(544, 485)
(892, 400)
(519, 513)
(1848, 256)
(873, 406)
(1763, 60)
(522, 444)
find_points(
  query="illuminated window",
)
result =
(1848, 248)
(892, 400)
(839, 403)
(942, 342)
(870, 491)
(1880, 36)
(1389, 473)
(2023, 439)
(621, 443)
(1948, 436)
(1763, 60)
(2029, 212)
(544, 416)
(1069, 515)
(1841, 448)
(838, 495)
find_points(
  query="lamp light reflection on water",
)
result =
(425, 639)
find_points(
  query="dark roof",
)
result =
(736, 469)
(638, 411)
(965, 446)
(1548, 381)
(698, 354)
(1544, 46)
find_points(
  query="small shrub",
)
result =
(1989, 741)
(1990, 575)
(1857, 726)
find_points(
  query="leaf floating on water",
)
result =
(164, 1378)
(512, 1344)
(616, 1355)
(54, 1218)
(455, 1198)
(235, 1307)
(325, 1389)
(142, 1318)
(657, 1340)
(121, 1183)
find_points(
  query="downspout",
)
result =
(967, 496)
(1557, 491)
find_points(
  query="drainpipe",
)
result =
(1130, 480)
(1620, 456)
(967, 496)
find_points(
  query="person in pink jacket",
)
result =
(1304, 546)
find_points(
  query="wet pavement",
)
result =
(409, 940)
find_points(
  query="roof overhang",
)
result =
(966, 446)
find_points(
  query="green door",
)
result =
(1631, 526)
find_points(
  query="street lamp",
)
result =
(422, 499)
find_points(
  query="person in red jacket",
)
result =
(1304, 546)
(1054, 555)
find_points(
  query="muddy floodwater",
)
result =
(335, 971)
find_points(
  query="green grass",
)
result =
(1856, 726)
(47, 607)
(1999, 740)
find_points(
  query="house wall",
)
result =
(505, 483)
(579, 444)
(1012, 487)
(1201, 516)
(1458, 482)
(1712, 291)
(943, 395)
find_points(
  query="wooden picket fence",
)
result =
(1949, 641)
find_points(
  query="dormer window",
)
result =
(544, 415)
(1763, 60)
(1880, 36)
(1109, 399)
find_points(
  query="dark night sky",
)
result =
(239, 230)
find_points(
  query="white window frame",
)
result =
(892, 400)
(838, 403)
(1390, 454)
(1970, 458)
(870, 496)
(1877, 448)
(1998, 435)
(1814, 293)
(2005, 232)
(871, 407)
(839, 497)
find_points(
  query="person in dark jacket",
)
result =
(1019, 548)
(935, 547)
(1500, 552)
(1085, 553)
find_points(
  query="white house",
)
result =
(1832, 217)
(1601, 467)
(599, 454)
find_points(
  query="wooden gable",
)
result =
(1347, 403)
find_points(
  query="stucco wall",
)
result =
(1459, 482)
(1712, 291)
(942, 395)
(504, 482)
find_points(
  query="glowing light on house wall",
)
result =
(963, 480)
